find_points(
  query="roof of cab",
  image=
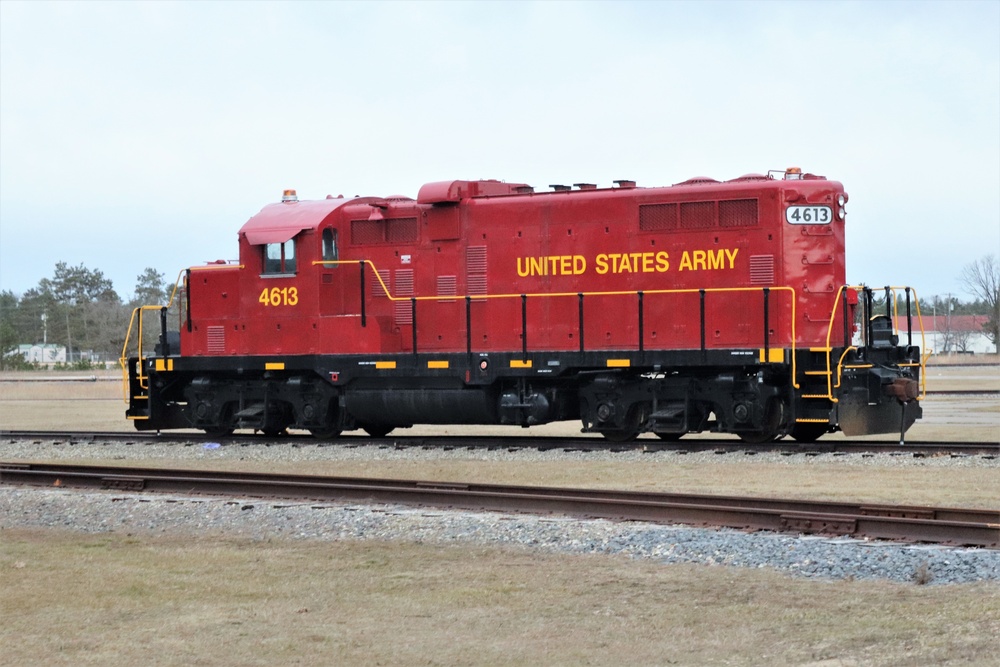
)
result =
(276, 223)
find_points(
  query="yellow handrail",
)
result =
(893, 295)
(438, 297)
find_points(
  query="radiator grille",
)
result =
(377, 291)
(475, 259)
(447, 286)
(380, 232)
(761, 269)
(404, 288)
(475, 268)
(366, 232)
(656, 217)
(216, 339)
(738, 213)
(697, 215)
(401, 230)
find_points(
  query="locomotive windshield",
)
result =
(279, 258)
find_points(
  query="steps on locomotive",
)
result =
(814, 404)
(669, 417)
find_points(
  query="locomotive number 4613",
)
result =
(279, 296)
(808, 215)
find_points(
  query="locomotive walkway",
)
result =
(955, 526)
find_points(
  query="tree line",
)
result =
(79, 309)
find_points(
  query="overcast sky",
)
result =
(137, 134)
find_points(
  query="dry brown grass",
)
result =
(112, 599)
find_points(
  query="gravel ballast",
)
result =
(255, 519)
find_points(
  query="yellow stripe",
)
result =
(517, 363)
(817, 372)
(815, 396)
(161, 365)
(437, 364)
(820, 349)
(857, 365)
(137, 418)
(774, 355)
(385, 365)
(619, 363)
(812, 421)
(274, 366)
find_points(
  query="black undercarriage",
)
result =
(617, 394)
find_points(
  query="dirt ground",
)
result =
(117, 598)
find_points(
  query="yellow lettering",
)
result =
(602, 264)
(716, 260)
(698, 258)
(731, 255)
(685, 262)
(647, 262)
(662, 261)
(537, 265)
(579, 264)
(522, 272)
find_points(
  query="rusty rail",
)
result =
(957, 526)
(720, 445)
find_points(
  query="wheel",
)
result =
(771, 430)
(809, 432)
(619, 436)
(377, 430)
(636, 417)
(759, 437)
(325, 432)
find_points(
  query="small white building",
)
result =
(43, 353)
(952, 334)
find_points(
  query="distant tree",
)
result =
(77, 307)
(982, 279)
(77, 284)
(150, 288)
(9, 339)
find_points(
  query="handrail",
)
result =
(519, 295)
(123, 360)
(891, 293)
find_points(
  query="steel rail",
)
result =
(957, 526)
(915, 448)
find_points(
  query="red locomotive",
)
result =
(706, 305)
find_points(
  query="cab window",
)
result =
(330, 247)
(279, 258)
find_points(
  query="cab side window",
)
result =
(279, 258)
(330, 247)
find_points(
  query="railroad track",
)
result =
(954, 526)
(513, 443)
